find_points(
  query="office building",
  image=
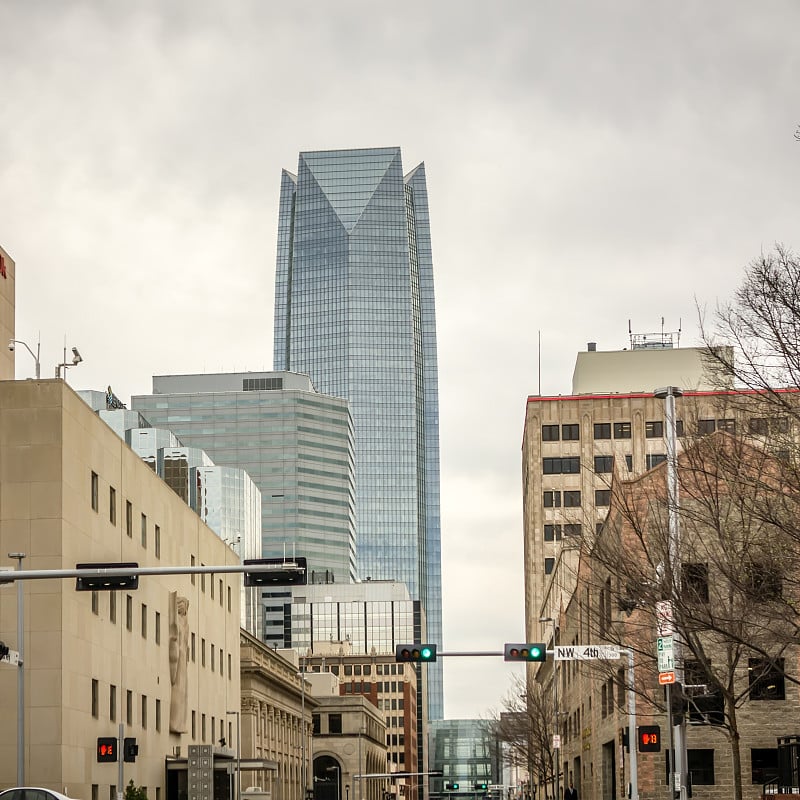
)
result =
(296, 445)
(7, 312)
(464, 752)
(354, 309)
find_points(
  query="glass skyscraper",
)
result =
(354, 309)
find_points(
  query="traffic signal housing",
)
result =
(95, 583)
(106, 749)
(678, 703)
(649, 738)
(481, 787)
(286, 572)
(130, 749)
(451, 786)
(415, 653)
(529, 651)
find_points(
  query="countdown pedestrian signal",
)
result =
(529, 651)
(649, 737)
(106, 749)
(415, 653)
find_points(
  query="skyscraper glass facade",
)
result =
(354, 309)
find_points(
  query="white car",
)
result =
(32, 793)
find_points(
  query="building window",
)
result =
(193, 648)
(157, 540)
(192, 576)
(112, 703)
(568, 465)
(728, 425)
(95, 698)
(129, 707)
(602, 497)
(213, 660)
(194, 725)
(315, 727)
(766, 679)
(334, 723)
(129, 612)
(144, 621)
(603, 463)
(629, 462)
(694, 582)
(158, 714)
(220, 592)
(552, 499)
(112, 505)
(95, 602)
(573, 529)
(622, 430)
(706, 426)
(549, 565)
(129, 518)
(700, 764)
(112, 607)
(764, 764)
(707, 707)
(229, 666)
(95, 492)
(602, 430)
(144, 530)
(158, 627)
(202, 652)
(654, 459)
(654, 429)
(202, 727)
(572, 499)
(229, 599)
(550, 433)
(571, 432)
(552, 533)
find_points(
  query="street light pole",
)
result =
(20, 670)
(668, 394)
(557, 750)
(238, 754)
(35, 355)
(303, 770)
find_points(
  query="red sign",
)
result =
(649, 739)
(666, 677)
(106, 748)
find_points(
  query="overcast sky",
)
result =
(588, 163)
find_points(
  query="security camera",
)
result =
(76, 356)
(11, 345)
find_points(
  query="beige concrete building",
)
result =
(8, 277)
(162, 660)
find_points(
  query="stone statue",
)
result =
(178, 656)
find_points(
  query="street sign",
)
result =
(12, 657)
(666, 660)
(586, 652)
(665, 678)
(664, 618)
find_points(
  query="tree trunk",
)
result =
(736, 755)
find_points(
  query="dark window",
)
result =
(550, 433)
(602, 430)
(95, 698)
(315, 724)
(728, 425)
(779, 425)
(764, 764)
(654, 459)
(766, 679)
(157, 540)
(334, 723)
(129, 518)
(679, 427)
(603, 463)
(144, 531)
(759, 426)
(571, 433)
(95, 495)
(129, 612)
(695, 582)
(629, 462)
(701, 767)
(654, 429)
(571, 465)
(558, 466)
(602, 497)
(572, 499)
(261, 384)
(622, 430)
(552, 533)
(549, 564)
(573, 529)
(552, 499)
(763, 582)
(705, 426)
(112, 505)
(707, 706)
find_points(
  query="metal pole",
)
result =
(669, 394)
(632, 742)
(121, 762)
(303, 776)
(360, 770)
(20, 675)
(238, 756)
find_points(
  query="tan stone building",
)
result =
(162, 660)
(8, 277)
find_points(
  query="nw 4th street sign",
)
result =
(586, 652)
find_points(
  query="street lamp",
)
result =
(338, 770)
(668, 395)
(20, 668)
(12, 342)
(303, 729)
(238, 754)
(557, 750)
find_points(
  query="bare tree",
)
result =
(730, 582)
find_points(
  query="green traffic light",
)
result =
(426, 653)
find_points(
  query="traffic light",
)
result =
(649, 737)
(94, 583)
(415, 653)
(451, 786)
(678, 703)
(481, 787)
(525, 652)
(106, 749)
(286, 572)
(624, 739)
(130, 749)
